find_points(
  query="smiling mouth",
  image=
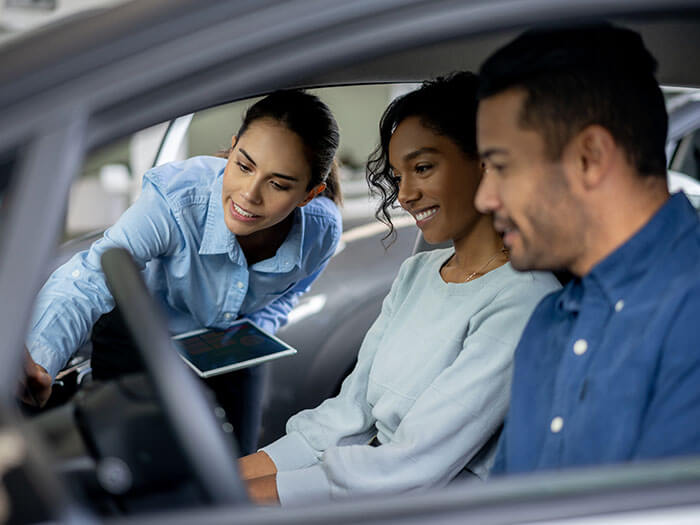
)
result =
(507, 230)
(425, 214)
(242, 213)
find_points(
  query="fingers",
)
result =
(35, 388)
(263, 490)
(28, 397)
(38, 389)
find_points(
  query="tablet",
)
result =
(212, 352)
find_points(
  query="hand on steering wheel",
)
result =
(35, 389)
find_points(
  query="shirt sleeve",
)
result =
(447, 425)
(343, 419)
(671, 426)
(273, 316)
(76, 294)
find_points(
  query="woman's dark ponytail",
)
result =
(332, 190)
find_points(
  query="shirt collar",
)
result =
(612, 276)
(289, 254)
(218, 239)
(639, 254)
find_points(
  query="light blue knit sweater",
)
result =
(432, 382)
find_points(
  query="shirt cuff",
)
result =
(303, 486)
(45, 357)
(291, 452)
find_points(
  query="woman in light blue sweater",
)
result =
(432, 380)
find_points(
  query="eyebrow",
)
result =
(280, 175)
(491, 152)
(419, 152)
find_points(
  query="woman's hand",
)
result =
(258, 471)
(263, 490)
(256, 465)
(35, 389)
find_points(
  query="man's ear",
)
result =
(593, 150)
(312, 193)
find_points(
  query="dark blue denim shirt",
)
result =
(608, 368)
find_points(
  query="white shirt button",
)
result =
(240, 285)
(580, 347)
(556, 425)
(228, 315)
(76, 273)
(619, 305)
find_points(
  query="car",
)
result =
(73, 87)
(330, 322)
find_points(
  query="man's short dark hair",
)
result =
(576, 77)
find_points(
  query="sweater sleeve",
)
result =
(447, 425)
(343, 419)
(76, 294)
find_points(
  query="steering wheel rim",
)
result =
(210, 453)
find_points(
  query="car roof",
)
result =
(121, 62)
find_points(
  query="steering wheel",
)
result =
(211, 454)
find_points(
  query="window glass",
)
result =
(687, 156)
(111, 176)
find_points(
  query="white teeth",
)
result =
(426, 213)
(242, 211)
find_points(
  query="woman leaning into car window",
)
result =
(431, 384)
(217, 239)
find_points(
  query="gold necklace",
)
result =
(473, 274)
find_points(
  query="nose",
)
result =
(408, 192)
(487, 199)
(252, 190)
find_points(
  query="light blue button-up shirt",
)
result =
(192, 263)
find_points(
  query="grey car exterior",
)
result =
(74, 87)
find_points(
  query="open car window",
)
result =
(110, 179)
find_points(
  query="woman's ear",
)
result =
(312, 193)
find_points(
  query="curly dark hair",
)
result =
(445, 105)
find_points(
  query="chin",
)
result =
(519, 264)
(523, 262)
(435, 239)
(237, 228)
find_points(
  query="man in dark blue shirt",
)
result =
(572, 129)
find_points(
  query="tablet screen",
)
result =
(212, 352)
